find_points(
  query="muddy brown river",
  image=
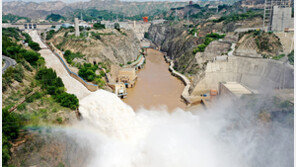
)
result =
(156, 87)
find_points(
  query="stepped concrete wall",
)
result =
(185, 94)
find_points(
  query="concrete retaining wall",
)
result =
(89, 86)
(257, 74)
(185, 94)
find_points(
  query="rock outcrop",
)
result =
(258, 44)
(173, 39)
(113, 46)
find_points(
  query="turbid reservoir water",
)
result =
(156, 87)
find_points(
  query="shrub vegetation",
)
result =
(236, 17)
(55, 87)
(98, 26)
(11, 125)
(208, 39)
(69, 56)
(88, 72)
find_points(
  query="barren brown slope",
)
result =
(113, 46)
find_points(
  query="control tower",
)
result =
(76, 24)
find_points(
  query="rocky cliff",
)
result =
(179, 42)
(108, 45)
(175, 40)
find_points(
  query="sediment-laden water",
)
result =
(155, 86)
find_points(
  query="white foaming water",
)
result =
(119, 137)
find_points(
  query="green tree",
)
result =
(87, 72)
(146, 35)
(49, 34)
(32, 57)
(99, 26)
(68, 100)
(55, 17)
(117, 26)
(67, 53)
(11, 124)
(35, 46)
(47, 77)
(13, 18)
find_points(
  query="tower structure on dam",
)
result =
(76, 24)
(278, 15)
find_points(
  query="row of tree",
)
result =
(46, 78)
(22, 56)
(54, 86)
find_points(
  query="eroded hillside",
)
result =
(105, 45)
(258, 43)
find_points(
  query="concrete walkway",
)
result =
(8, 62)
(72, 85)
(140, 60)
(247, 29)
(185, 94)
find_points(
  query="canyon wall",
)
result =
(217, 63)
(171, 38)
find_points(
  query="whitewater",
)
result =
(117, 136)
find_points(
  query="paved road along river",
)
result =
(155, 86)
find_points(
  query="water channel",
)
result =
(156, 87)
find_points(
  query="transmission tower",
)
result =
(268, 10)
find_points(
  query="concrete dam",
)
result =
(257, 74)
